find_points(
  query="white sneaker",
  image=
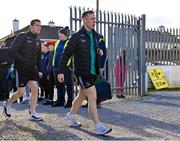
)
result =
(101, 129)
(6, 110)
(34, 117)
(71, 120)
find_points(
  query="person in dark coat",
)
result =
(50, 45)
(83, 45)
(44, 81)
(64, 34)
(26, 50)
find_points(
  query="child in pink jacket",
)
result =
(120, 73)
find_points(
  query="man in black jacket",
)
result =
(83, 46)
(26, 50)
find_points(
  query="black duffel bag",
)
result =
(103, 89)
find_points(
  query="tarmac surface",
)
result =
(154, 117)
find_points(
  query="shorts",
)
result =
(24, 78)
(86, 82)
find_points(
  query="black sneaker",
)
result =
(1, 99)
(15, 101)
(48, 102)
(57, 104)
(85, 106)
(40, 99)
(98, 105)
(6, 110)
(121, 96)
(68, 106)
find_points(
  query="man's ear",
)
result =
(30, 27)
(84, 20)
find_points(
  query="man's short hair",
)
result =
(86, 13)
(33, 21)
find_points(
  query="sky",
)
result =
(158, 12)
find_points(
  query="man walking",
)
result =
(26, 50)
(83, 46)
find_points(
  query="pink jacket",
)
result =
(119, 72)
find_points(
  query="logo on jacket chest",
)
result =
(33, 42)
(83, 40)
(37, 43)
(29, 41)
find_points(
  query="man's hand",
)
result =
(100, 52)
(11, 69)
(101, 70)
(40, 74)
(61, 78)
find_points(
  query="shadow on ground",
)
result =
(9, 130)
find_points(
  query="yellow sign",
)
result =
(158, 78)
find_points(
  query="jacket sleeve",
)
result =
(39, 58)
(103, 57)
(115, 67)
(49, 66)
(67, 53)
(16, 47)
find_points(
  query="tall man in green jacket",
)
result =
(83, 46)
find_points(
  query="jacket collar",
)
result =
(32, 34)
(84, 31)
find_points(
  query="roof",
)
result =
(47, 33)
(160, 36)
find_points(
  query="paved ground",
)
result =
(151, 117)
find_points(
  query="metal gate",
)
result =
(122, 33)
